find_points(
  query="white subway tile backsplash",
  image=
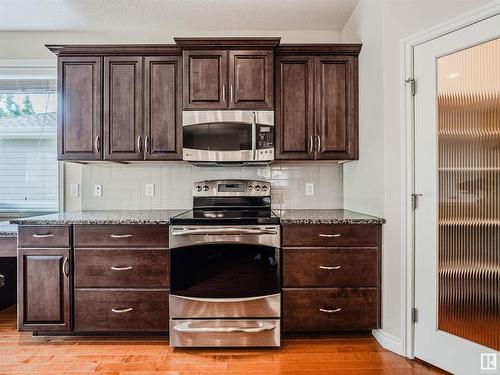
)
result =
(124, 186)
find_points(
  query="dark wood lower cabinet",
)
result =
(117, 310)
(44, 289)
(330, 309)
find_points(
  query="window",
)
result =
(29, 182)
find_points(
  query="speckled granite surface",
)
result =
(326, 217)
(102, 217)
(8, 230)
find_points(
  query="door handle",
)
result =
(97, 143)
(231, 93)
(261, 327)
(331, 311)
(121, 311)
(146, 146)
(311, 144)
(319, 142)
(139, 143)
(65, 264)
(126, 268)
(224, 93)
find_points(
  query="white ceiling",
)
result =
(182, 15)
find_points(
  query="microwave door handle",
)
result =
(254, 137)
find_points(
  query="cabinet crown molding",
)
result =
(113, 49)
(228, 43)
(344, 49)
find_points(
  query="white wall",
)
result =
(398, 19)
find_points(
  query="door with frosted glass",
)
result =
(457, 222)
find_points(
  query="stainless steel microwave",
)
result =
(215, 138)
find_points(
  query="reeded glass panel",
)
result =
(469, 193)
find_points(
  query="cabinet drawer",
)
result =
(330, 267)
(329, 309)
(330, 235)
(43, 236)
(113, 268)
(121, 310)
(121, 235)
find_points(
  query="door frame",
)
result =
(408, 143)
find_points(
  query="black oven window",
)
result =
(220, 136)
(225, 271)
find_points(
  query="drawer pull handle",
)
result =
(329, 235)
(330, 267)
(36, 235)
(121, 235)
(121, 311)
(127, 268)
(331, 311)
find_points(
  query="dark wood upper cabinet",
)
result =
(336, 107)
(251, 79)
(163, 108)
(294, 114)
(205, 79)
(44, 299)
(79, 108)
(317, 102)
(123, 108)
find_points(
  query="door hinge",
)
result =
(412, 83)
(414, 316)
(414, 201)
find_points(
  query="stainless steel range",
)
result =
(225, 267)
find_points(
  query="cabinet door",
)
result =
(294, 114)
(122, 108)
(162, 108)
(205, 79)
(79, 112)
(44, 289)
(251, 79)
(336, 107)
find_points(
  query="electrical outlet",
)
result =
(97, 190)
(74, 190)
(309, 188)
(150, 190)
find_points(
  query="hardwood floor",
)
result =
(343, 355)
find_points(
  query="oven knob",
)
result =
(257, 187)
(250, 187)
(264, 188)
(198, 188)
(205, 187)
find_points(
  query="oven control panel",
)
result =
(231, 188)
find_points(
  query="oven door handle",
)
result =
(261, 327)
(222, 231)
(254, 137)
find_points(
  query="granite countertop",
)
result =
(321, 216)
(102, 217)
(7, 230)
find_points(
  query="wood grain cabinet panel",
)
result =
(163, 108)
(44, 295)
(337, 267)
(294, 114)
(44, 236)
(121, 236)
(205, 79)
(337, 108)
(329, 309)
(123, 268)
(331, 235)
(123, 108)
(79, 108)
(251, 79)
(109, 310)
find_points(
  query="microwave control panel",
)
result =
(265, 136)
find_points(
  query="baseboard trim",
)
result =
(388, 341)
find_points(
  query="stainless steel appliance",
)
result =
(221, 138)
(225, 267)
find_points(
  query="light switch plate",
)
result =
(150, 190)
(309, 188)
(97, 190)
(74, 190)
